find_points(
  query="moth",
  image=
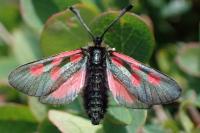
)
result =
(94, 70)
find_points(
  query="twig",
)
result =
(194, 115)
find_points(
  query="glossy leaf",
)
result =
(130, 35)
(63, 31)
(40, 11)
(139, 119)
(120, 115)
(117, 125)
(68, 123)
(188, 59)
(117, 114)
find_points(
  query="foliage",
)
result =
(32, 29)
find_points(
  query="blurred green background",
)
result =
(162, 33)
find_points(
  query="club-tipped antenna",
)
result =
(76, 12)
(123, 11)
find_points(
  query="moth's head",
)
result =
(98, 39)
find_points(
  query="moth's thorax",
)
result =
(97, 55)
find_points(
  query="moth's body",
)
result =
(96, 86)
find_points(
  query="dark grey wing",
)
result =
(120, 91)
(42, 78)
(146, 84)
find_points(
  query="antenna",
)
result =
(123, 11)
(76, 12)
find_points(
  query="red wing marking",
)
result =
(37, 70)
(56, 61)
(68, 53)
(73, 85)
(118, 90)
(117, 61)
(153, 79)
(126, 58)
(135, 67)
(136, 81)
(55, 73)
(76, 58)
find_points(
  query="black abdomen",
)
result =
(95, 93)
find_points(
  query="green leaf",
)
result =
(76, 107)
(30, 16)
(16, 119)
(63, 31)
(188, 59)
(68, 123)
(112, 128)
(9, 14)
(6, 65)
(26, 45)
(130, 35)
(64, 4)
(119, 115)
(47, 127)
(114, 3)
(36, 13)
(138, 116)
(39, 110)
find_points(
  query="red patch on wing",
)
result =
(73, 85)
(153, 79)
(136, 81)
(55, 73)
(75, 58)
(126, 58)
(118, 89)
(56, 61)
(135, 67)
(37, 70)
(69, 53)
(117, 61)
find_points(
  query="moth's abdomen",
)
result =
(95, 95)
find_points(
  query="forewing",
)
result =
(148, 85)
(43, 77)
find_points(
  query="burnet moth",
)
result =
(93, 70)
